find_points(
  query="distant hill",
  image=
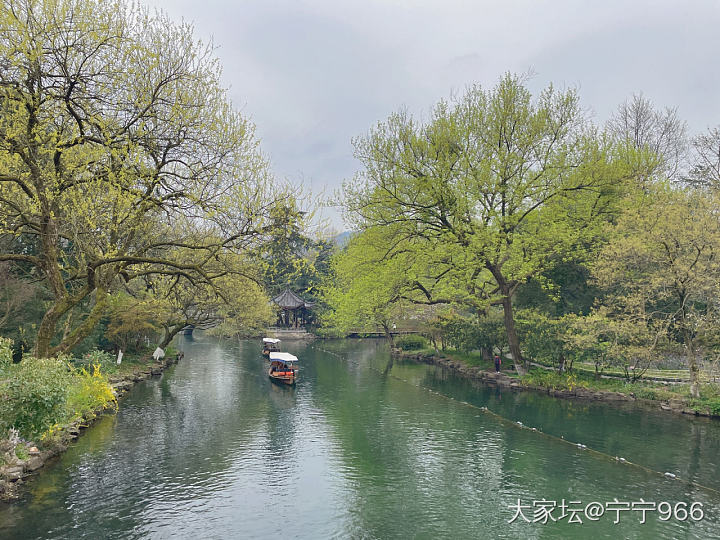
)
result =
(343, 238)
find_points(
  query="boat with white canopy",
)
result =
(283, 368)
(270, 345)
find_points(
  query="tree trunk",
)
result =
(48, 325)
(46, 330)
(68, 325)
(690, 351)
(513, 342)
(87, 326)
(51, 269)
(389, 335)
(170, 333)
(692, 366)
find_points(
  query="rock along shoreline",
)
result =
(15, 471)
(678, 406)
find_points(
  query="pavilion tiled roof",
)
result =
(289, 300)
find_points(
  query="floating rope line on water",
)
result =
(519, 425)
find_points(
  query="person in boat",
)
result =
(270, 345)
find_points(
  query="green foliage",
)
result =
(496, 188)
(712, 405)
(461, 333)
(329, 332)
(543, 337)
(660, 271)
(89, 392)
(467, 333)
(116, 119)
(34, 394)
(562, 289)
(411, 342)
(709, 401)
(6, 352)
(363, 291)
(248, 309)
(21, 452)
(292, 259)
(37, 395)
(647, 393)
(102, 359)
(132, 319)
(552, 380)
(472, 359)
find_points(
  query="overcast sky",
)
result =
(314, 74)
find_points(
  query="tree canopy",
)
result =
(496, 185)
(660, 268)
(120, 154)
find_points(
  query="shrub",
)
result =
(553, 380)
(21, 452)
(646, 393)
(6, 352)
(33, 394)
(89, 392)
(711, 404)
(95, 357)
(714, 406)
(411, 342)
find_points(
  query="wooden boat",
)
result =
(270, 345)
(283, 368)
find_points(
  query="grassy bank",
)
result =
(44, 403)
(708, 403)
(548, 379)
(39, 397)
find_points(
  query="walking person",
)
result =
(498, 363)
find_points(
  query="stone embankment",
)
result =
(14, 469)
(503, 380)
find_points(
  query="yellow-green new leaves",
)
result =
(661, 268)
(117, 146)
(505, 184)
(364, 289)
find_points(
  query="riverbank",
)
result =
(20, 459)
(572, 386)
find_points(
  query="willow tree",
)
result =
(505, 183)
(113, 129)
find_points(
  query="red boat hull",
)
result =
(282, 377)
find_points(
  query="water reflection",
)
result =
(362, 447)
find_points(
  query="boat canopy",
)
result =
(282, 357)
(270, 340)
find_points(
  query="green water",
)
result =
(362, 448)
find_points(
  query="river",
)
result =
(364, 447)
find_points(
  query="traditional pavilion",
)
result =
(293, 310)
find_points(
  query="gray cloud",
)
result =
(314, 74)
